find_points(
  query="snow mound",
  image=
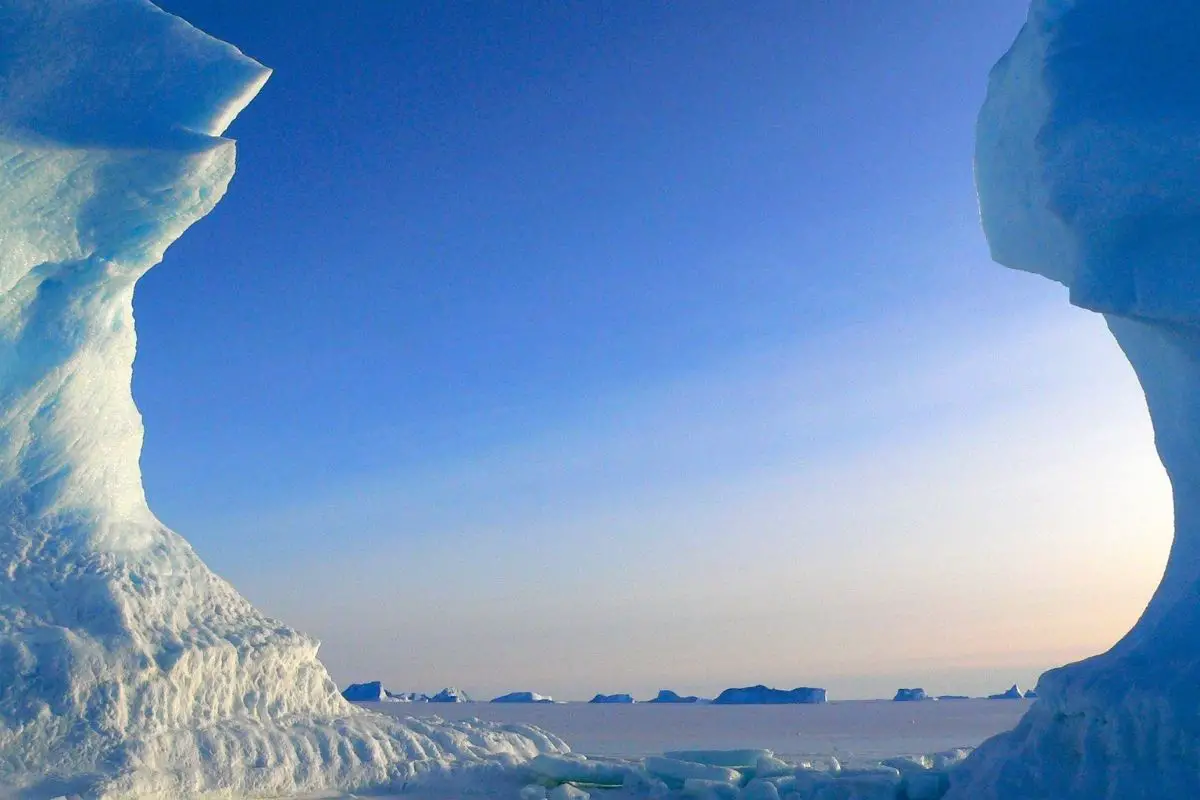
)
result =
(762, 695)
(1087, 174)
(127, 668)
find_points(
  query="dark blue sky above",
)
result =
(661, 337)
(451, 219)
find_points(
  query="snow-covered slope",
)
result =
(1088, 174)
(126, 666)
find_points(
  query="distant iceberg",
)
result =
(762, 695)
(612, 698)
(451, 695)
(522, 697)
(910, 695)
(370, 692)
(667, 696)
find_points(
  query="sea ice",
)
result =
(127, 668)
(721, 758)
(578, 769)
(675, 771)
(1087, 173)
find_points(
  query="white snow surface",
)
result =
(127, 668)
(1087, 173)
(635, 752)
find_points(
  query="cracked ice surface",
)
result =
(126, 667)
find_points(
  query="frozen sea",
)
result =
(873, 729)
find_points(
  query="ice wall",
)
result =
(1088, 168)
(126, 667)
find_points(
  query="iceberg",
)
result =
(910, 695)
(1087, 175)
(612, 698)
(371, 692)
(1012, 693)
(451, 695)
(127, 668)
(522, 697)
(762, 695)
(668, 696)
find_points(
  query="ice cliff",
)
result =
(1088, 174)
(127, 668)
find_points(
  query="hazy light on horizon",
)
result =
(993, 506)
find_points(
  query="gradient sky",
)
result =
(610, 346)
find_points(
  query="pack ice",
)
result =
(127, 668)
(1088, 174)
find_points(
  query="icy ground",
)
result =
(874, 729)
(621, 743)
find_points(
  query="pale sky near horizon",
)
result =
(611, 347)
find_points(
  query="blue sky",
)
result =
(580, 347)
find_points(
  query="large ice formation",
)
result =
(523, 697)
(762, 695)
(1088, 173)
(126, 667)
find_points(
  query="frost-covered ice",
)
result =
(631, 750)
(857, 730)
(126, 667)
(1088, 174)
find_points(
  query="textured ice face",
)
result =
(1088, 166)
(104, 161)
(1086, 158)
(127, 668)
(69, 87)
